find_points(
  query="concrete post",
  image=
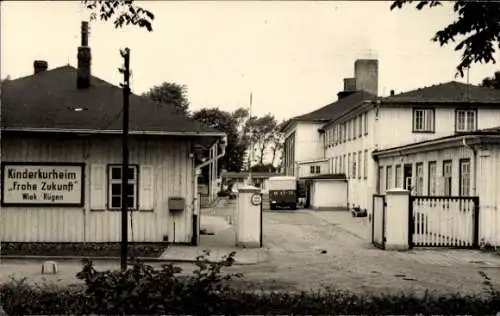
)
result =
(248, 221)
(397, 219)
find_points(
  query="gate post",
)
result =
(475, 242)
(397, 219)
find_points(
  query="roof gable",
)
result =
(45, 101)
(450, 92)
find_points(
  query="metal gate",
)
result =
(444, 221)
(378, 221)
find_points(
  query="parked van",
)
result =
(282, 192)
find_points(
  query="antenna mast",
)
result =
(250, 154)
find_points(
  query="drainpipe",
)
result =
(474, 165)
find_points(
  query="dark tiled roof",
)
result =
(43, 101)
(333, 110)
(450, 92)
(336, 108)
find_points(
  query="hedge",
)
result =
(143, 290)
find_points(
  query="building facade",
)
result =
(62, 161)
(360, 124)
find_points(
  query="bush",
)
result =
(144, 290)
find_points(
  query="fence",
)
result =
(444, 221)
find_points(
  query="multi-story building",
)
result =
(346, 136)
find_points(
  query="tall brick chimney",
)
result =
(40, 66)
(366, 73)
(84, 59)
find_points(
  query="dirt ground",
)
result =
(306, 251)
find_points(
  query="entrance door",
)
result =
(407, 174)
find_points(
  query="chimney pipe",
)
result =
(84, 59)
(40, 66)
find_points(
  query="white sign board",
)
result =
(42, 184)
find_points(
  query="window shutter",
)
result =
(146, 188)
(98, 187)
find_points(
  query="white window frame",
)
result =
(448, 174)
(365, 164)
(423, 120)
(355, 127)
(317, 169)
(419, 178)
(465, 177)
(432, 180)
(112, 182)
(398, 176)
(381, 177)
(360, 125)
(388, 177)
(359, 164)
(469, 120)
(366, 122)
(349, 171)
(354, 165)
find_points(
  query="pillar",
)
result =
(248, 217)
(397, 224)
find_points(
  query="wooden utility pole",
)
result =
(126, 104)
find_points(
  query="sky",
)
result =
(292, 56)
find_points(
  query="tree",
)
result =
(172, 94)
(276, 143)
(492, 82)
(224, 122)
(124, 12)
(261, 131)
(477, 21)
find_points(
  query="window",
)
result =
(465, 177)
(388, 177)
(354, 128)
(311, 169)
(365, 165)
(354, 165)
(115, 187)
(398, 183)
(366, 122)
(344, 170)
(380, 180)
(465, 120)
(341, 165)
(349, 167)
(447, 175)
(420, 179)
(359, 164)
(349, 130)
(432, 178)
(360, 126)
(318, 169)
(423, 120)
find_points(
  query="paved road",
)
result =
(307, 251)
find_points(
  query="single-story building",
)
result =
(62, 153)
(324, 192)
(449, 169)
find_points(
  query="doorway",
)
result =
(407, 176)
